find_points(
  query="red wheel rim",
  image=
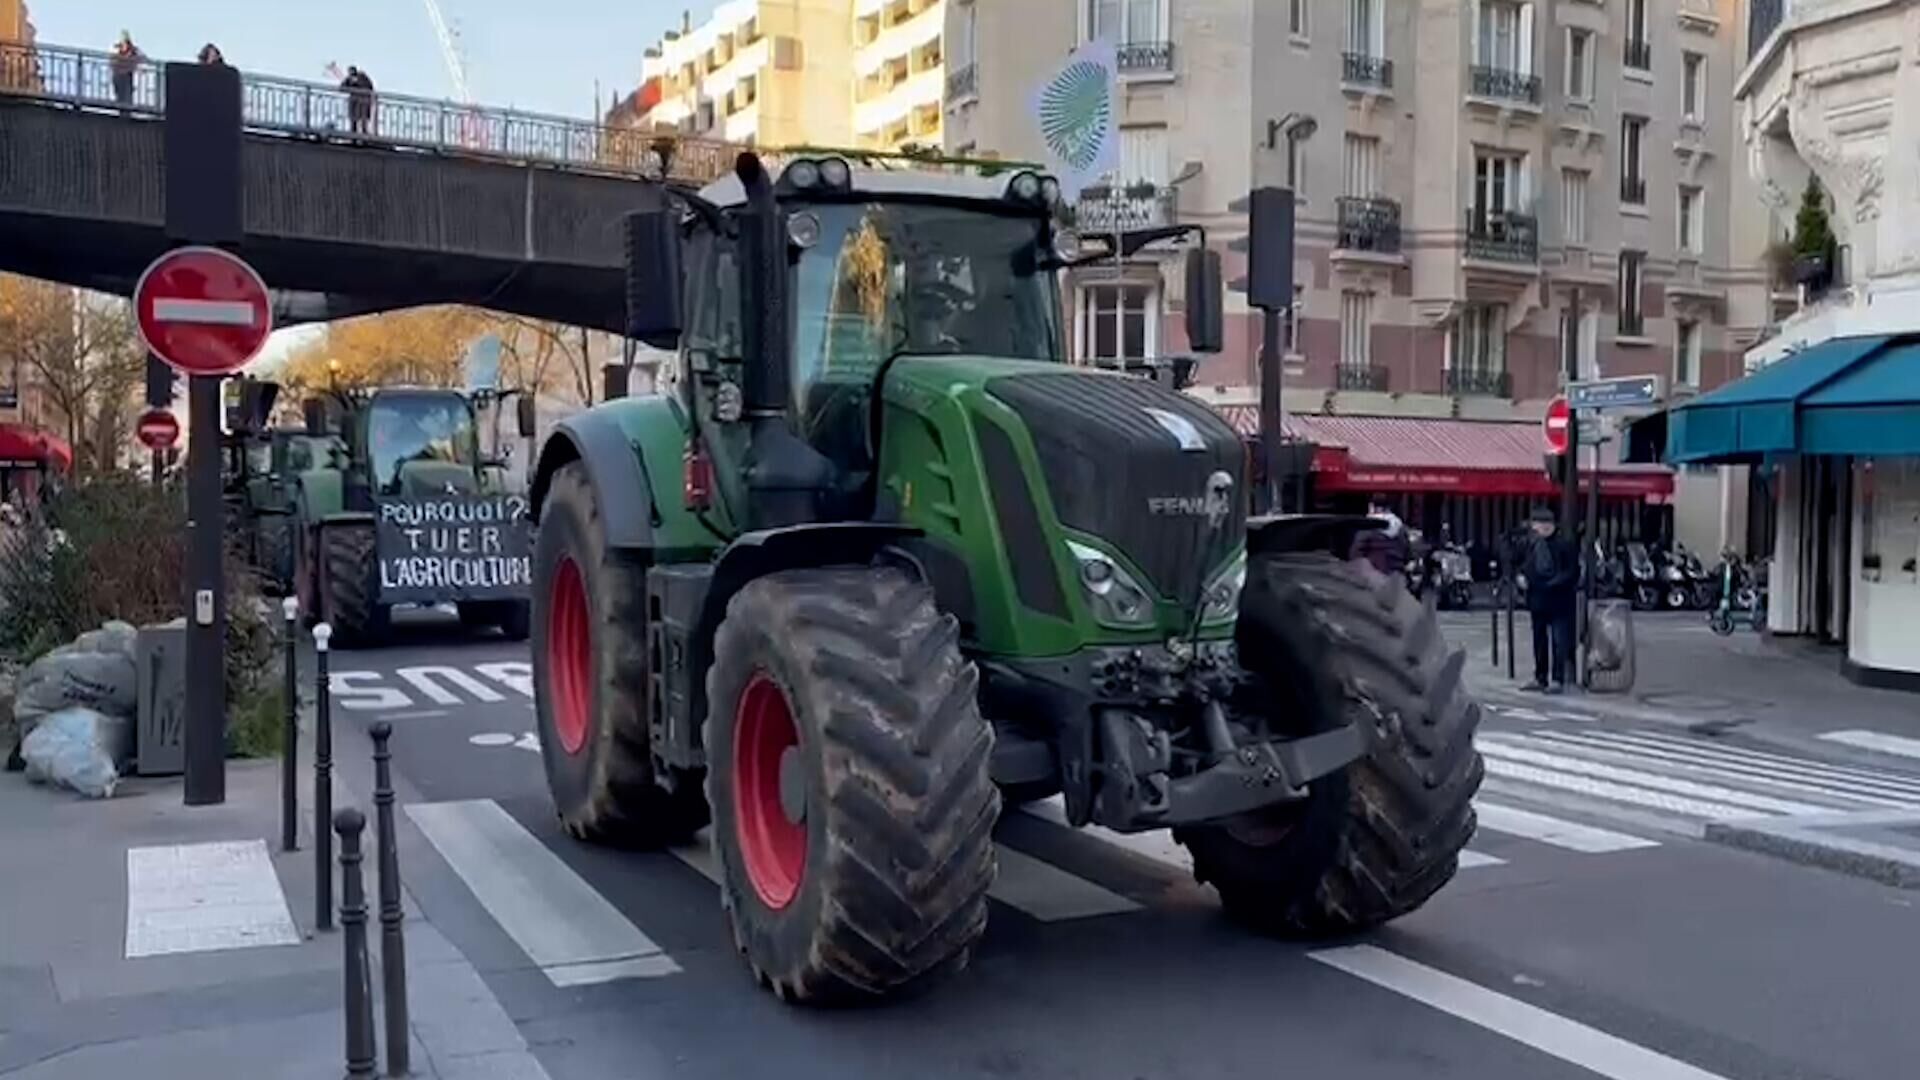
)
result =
(772, 844)
(570, 655)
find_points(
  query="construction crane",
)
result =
(449, 51)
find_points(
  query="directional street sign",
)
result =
(1623, 392)
(158, 429)
(1555, 425)
(202, 310)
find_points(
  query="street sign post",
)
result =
(1621, 392)
(1555, 427)
(157, 429)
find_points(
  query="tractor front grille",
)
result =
(1132, 462)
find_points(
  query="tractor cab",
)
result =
(403, 442)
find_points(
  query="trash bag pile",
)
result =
(77, 705)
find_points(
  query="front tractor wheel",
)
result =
(349, 592)
(1333, 643)
(853, 811)
(590, 682)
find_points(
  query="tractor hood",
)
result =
(1147, 469)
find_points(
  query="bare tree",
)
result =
(82, 353)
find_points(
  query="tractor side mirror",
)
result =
(1206, 302)
(314, 412)
(524, 416)
(654, 284)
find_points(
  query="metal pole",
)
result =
(290, 735)
(1570, 497)
(322, 783)
(1493, 616)
(159, 467)
(393, 946)
(1593, 570)
(1507, 576)
(357, 970)
(206, 734)
(1273, 410)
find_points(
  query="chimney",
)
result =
(686, 21)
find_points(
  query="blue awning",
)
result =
(1870, 408)
(1758, 415)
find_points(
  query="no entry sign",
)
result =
(203, 310)
(1555, 425)
(157, 429)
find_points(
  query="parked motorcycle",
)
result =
(1609, 579)
(1452, 571)
(1645, 576)
(1702, 585)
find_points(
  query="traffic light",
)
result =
(1556, 466)
(159, 382)
(1270, 249)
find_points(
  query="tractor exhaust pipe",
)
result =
(785, 475)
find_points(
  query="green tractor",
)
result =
(402, 509)
(883, 563)
(258, 480)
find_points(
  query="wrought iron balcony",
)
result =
(1633, 190)
(963, 84)
(1138, 57)
(1638, 55)
(1501, 84)
(1360, 69)
(1502, 236)
(1140, 206)
(1362, 377)
(1763, 18)
(1369, 225)
(1479, 382)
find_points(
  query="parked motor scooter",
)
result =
(1453, 571)
(1702, 585)
(1645, 576)
(1608, 577)
(1675, 587)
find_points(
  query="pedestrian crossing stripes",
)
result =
(1878, 742)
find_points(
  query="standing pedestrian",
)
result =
(124, 62)
(1552, 567)
(210, 55)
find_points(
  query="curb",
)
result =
(1812, 844)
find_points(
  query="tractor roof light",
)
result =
(803, 175)
(836, 174)
(832, 174)
(1025, 187)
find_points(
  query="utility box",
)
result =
(160, 745)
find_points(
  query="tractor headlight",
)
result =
(836, 173)
(1220, 602)
(1116, 599)
(803, 174)
(1025, 187)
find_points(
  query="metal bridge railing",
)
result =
(84, 79)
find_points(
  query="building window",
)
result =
(1580, 333)
(1499, 183)
(1632, 322)
(1503, 38)
(1297, 164)
(1639, 49)
(1143, 155)
(1689, 220)
(1356, 329)
(1693, 74)
(1366, 31)
(1480, 340)
(1117, 321)
(1297, 18)
(1579, 65)
(1633, 177)
(1686, 354)
(1125, 22)
(1573, 206)
(1290, 323)
(1362, 166)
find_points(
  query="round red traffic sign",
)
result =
(158, 429)
(203, 310)
(1556, 425)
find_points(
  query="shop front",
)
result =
(1835, 427)
(1468, 481)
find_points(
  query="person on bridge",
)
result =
(210, 55)
(126, 60)
(359, 90)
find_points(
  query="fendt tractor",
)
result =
(403, 509)
(881, 563)
(258, 481)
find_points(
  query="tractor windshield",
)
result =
(407, 428)
(889, 277)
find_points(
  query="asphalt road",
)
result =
(1589, 934)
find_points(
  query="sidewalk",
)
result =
(217, 970)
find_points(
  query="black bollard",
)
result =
(393, 946)
(322, 783)
(1513, 587)
(349, 823)
(290, 737)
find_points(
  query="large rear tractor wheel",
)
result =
(1335, 643)
(853, 811)
(349, 595)
(590, 682)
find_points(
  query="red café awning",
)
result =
(1465, 457)
(25, 445)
